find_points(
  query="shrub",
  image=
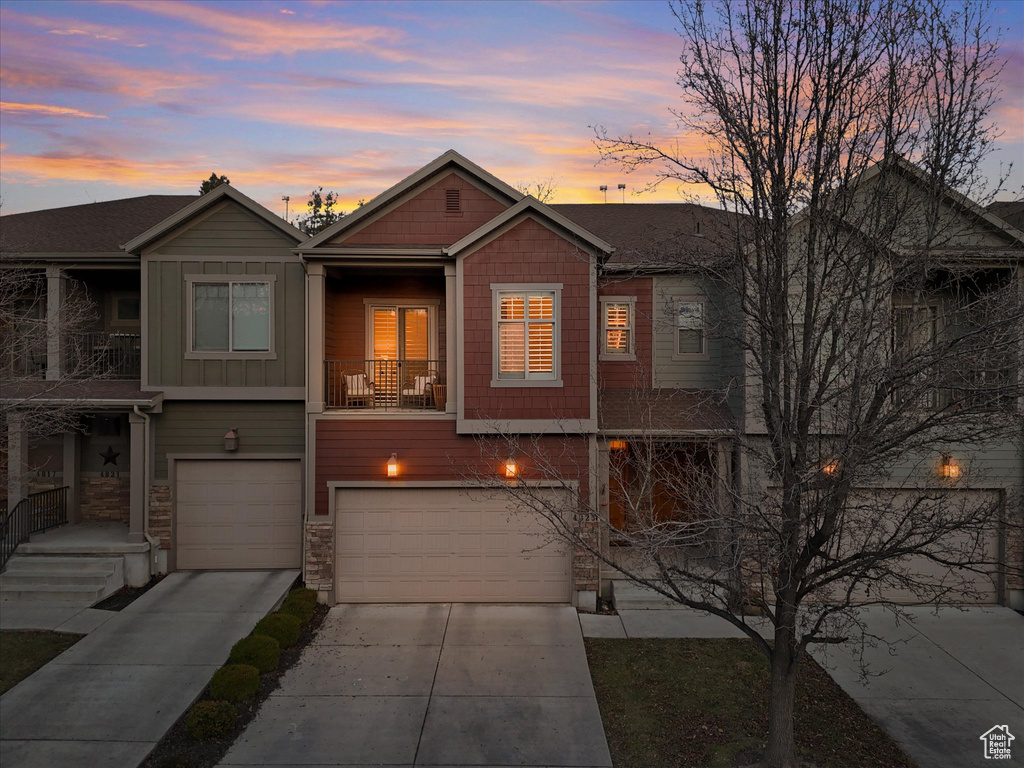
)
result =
(235, 682)
(282, 627)
(211, 720)
(258, 651)
(300, 608)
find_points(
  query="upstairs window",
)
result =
(690, 337)
(526, 335)
(231, 316)
(617, 320)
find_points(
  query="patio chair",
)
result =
(419, 390)
(358, 390)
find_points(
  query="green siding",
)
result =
(227, 234)
(198, 426)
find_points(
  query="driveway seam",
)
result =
(971, 671)
(433, 682)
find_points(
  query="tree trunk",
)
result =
(781, 752)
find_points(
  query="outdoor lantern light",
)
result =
(831, 468)
(511, 468)
(949, 469)
(231, 440)
(618, 445)
(393, 465)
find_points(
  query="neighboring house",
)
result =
(330, 402)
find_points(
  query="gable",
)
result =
(421, 219)
(227, 229)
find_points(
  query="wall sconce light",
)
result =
(948, 468)
(831, 468)
(231, 440)
(511, 468)
(618, 445)
(393, 465)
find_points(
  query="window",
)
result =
(231, 316)
(526, 337)
(690, 327)
(617, 318)
(126, 308)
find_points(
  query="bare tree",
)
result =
(543, 190)
(875, 311)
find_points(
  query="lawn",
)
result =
(704, 702)
(22, 653)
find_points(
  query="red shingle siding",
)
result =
(427, 450)
(528, 253)
(422, 221)
(630, 374)
(345, 322)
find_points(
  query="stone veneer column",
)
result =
(585, 565)
(137, 504)
(319, 565)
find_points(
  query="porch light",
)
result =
(231, 440)
(831, 468)
(618, 445)
(948, 468)
(393, 465)
(511, 469)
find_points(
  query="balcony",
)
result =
(385, 385)
(83, 356)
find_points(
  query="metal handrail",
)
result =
(36, 512)
(385, 384)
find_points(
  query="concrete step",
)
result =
(630, 596)
(84, 580)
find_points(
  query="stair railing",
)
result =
(36, 512)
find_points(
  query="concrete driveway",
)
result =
(110, 698)
(434, 685)
(951, 677)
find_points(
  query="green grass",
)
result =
(704, 702)
(22, 653)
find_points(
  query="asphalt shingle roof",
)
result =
(1010, 211)
(90, 228)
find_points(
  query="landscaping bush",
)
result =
(258, 651)
(211, 720)
(282, 627)
(300, 604)
(235, 682)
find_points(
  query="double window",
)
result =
(527, 335)
(231, 316)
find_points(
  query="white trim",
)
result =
(433, 333)
(229, 280)
(554, 379)
(197, 206)
(674, 299)
(602, 329)
(451, 157)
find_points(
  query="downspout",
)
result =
(154, 543)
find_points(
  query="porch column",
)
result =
(451, 361)
(73, 474)
(315, 320)
(55, 285)
(137, 480)
(17, 459)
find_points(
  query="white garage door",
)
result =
(238, 514)
(409, 545)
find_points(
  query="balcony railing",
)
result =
(36, 512)
(91, 355)
(393, 385)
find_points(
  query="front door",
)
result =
(400, 349)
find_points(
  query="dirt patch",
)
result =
(179, 750)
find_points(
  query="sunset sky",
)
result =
(131, 97)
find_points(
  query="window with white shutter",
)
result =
(617, 319)
(527, 335)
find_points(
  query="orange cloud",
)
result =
(372, 120)
(45, 109)
(81, 29)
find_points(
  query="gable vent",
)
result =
(452, 200)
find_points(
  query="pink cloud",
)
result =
(16, 107)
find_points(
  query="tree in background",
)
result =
(321, 213)
(543, 190)
(212, 183)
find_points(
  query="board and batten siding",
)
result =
(230, 241)
(198, 427)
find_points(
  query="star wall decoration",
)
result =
(109, 456)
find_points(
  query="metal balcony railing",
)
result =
(385, 384)
(91, 355)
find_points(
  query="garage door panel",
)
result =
(238, 514)
(443, 546)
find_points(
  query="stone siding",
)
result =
(160, 514)
(319, 566)
(105, 499)
(586, 573)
